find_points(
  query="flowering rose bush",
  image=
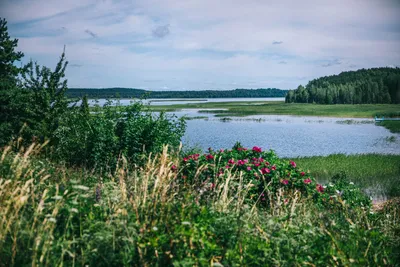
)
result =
(340, 189)
(266, 174)
(262, 170)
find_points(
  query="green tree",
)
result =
(48, 102)
(9, 94)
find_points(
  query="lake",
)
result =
(290, 136)
(166, 101)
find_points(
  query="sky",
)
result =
(205, 44)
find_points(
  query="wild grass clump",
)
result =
(149, 215)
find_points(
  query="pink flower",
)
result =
(302, 173)
(227, 167)
(249, 168)
(293, 164)
(185, 159)
(265, 170)
(267, 163)
(307, 181)
(209, 156)
(231, 161)
(221, 150)
(273, 168)
(285, 182)
(173, 167)
(240, 162)
(257, 164)
(320, 188)
(257, 149)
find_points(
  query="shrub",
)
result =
(98, 139)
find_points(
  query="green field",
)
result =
(281, 108)
(370, 170)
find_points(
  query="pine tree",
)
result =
(10, 96)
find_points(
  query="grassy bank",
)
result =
(367, 171)
(392, 126)
(54, 216)
(281, 108)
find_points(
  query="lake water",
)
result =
(162, 101)
(290, 136)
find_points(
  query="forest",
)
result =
(364, 86)
(138, 93)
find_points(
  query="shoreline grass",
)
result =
(392, 126)
(247, 108)
(365, 170)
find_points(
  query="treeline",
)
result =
(137, 93)
(364, 86)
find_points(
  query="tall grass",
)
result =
(371, 172)
(54, 216)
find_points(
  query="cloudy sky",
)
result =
(205, 44)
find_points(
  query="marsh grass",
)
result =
(392, 126)
(371, 171)
(280, 108)
(143, 216)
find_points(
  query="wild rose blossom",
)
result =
(273, 168)
(257, 149)
(240, 162)
(285, 182)
(231, 161)
(209, 156)
(265, 170)
(293, 164)
(173, 167)
(302, 173)
(307, 181)
(249, 168)
(320, 188)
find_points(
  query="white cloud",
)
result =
(279, 43)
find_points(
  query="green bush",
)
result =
(98, 139)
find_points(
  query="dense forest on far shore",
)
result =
(364, 86)
(137, 93)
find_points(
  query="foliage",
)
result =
(138, 93)
(98, 139)
(9, 109)
(32, 98)
(365, 86)
(265, 175)
(55, 216)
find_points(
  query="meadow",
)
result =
(188, 210)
